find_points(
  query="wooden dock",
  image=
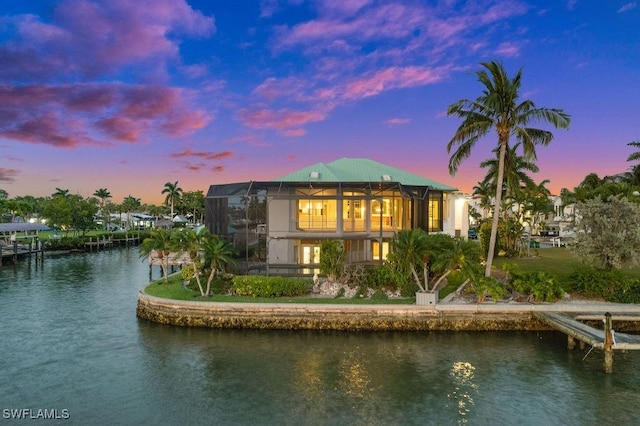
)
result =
(606, 339)
(15, 251)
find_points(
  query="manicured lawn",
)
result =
(559, 262)
(174, 290)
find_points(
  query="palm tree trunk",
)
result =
(417, 279)
(496, 208)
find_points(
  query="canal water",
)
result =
(71, 347)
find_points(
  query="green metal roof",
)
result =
(358, 170)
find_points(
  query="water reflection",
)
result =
(70, 339)
(464, 389)
(354, 379)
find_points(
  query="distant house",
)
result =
(359, 201)
(180, 219)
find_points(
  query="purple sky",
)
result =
(127, 95)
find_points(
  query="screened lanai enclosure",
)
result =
(279, 225)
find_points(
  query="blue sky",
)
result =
(129, 95)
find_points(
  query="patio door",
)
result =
(310, 255)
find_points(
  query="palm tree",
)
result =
(633, 177)
(173, 192)
(217, 253)
(410, 250)
(129, 204)
(456, 254)
(515, 171)
(161, 242)
(191, 241)
(103, 194)
(498, 108)
(61, 193)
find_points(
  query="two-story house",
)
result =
(359, 201)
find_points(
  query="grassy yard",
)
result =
(174, 290)
(559, 262)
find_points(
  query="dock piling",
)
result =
(608, 344)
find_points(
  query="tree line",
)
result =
(66, 211)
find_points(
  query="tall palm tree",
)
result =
(173, 192)
(499, 108)
(103, 194)
(129, 204)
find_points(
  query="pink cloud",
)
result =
(397, 121)
(76, 114)
(206, 155)
(508, 49)
(273, 88)
(88, 38)
(383, 21)
(283, 119)
(294, 133)
(249, 139)
(121, 128)
(8, 175)
(393, 78)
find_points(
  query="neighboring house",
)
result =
(359, 201)
(562, 218)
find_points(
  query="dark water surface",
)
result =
(70, 340)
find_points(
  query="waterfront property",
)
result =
(359, 201)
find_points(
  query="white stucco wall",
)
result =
(456, 215)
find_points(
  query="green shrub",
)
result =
(594, 282)
(379, 295)
(187, 273)
(332, 258)
(455, 278)
(542, 286)
(491, 287)
(629, 293)
(381, 277)
(221, 284)
(261, 286)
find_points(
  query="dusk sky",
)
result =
(127, 95)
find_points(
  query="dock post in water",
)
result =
(608, 344)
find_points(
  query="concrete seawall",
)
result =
(292, 316)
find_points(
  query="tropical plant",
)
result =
(515, 171)
(332, 258)
(61, 193)
(409, 251)
(538, 285)
(448, 254)
(173, 192)
(191, 241)
(217, 254)
(103, 194)
(161, 242)
(129, 204)
(498, 108)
